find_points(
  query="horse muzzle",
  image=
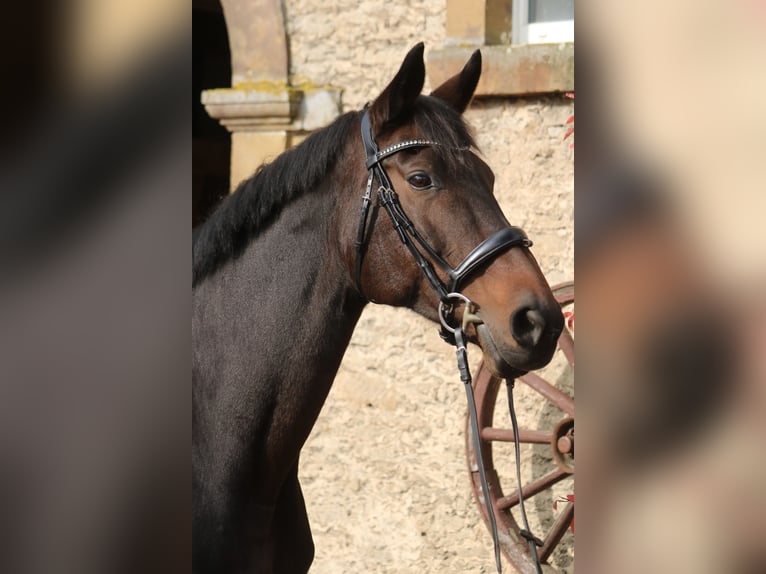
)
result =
(528, 343)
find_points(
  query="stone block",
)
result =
(510, 70)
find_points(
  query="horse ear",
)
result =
(402, 92)
(459, 89)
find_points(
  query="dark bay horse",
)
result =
(283, 269)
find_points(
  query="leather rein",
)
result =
(449, 294)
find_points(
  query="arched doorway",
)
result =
(211, 142)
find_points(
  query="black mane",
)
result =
(258, 200)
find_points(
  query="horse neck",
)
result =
(300, 264)
(284, 311)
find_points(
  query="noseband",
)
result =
(487, 250)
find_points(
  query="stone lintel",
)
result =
(250, 108)
(265, 119)
(513, 70)
(272, 107)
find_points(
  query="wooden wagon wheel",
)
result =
(546, 433)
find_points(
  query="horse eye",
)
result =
(420, 181)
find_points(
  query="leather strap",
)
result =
(465, 377)
(488, 249)
(525, 532)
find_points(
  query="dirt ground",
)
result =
(384, 472)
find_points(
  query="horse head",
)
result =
(435, 183)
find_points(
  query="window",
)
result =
(543, 21)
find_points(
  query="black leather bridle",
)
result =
(449, 294)
(487, 250)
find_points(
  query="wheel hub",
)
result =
(562, 444)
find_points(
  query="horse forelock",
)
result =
(438, 122)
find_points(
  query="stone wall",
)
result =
(534, 168)
(358, 45)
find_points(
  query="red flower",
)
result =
(569, 318)
(570, 131)
(569, 498)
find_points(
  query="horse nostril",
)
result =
(527, 326)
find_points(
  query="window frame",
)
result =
(524, 32)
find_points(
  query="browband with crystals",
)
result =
(397, 147)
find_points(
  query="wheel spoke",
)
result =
(557, 397)
(566, 343)
(532, 488)
(557, 532)
(525, 435)
(564, 293)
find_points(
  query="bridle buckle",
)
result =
(447, 308)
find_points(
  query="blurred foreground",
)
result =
(671, 270)
(94, 304)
